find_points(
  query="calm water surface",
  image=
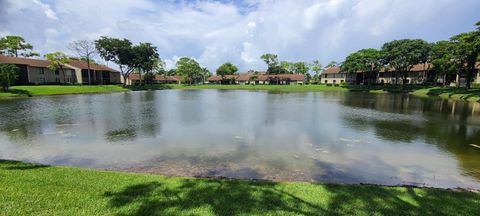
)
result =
(313, 136)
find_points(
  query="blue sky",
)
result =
(214, 32)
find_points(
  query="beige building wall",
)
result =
(333, 80)
(40, 75)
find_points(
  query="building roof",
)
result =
(261, 76)
(26, 61)
(219, 78)
(168, 78)
(332, 70)
(83, 65)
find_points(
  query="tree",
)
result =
(466, 48)
(287, 66)
(317, 70)
(403, 54)
(367, 61)
(332, 64)
(171, 72)
(205, 74)
(57, 62)
(442, 58)
(145, 57)
(86, 51)
(300, 68)
(8, 73)
(159, 67)
(226, 69)
(272, 62)
(11, 45)
(119, 51)
(190, 69)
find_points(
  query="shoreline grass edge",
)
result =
(34, 189)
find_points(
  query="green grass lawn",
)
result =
(444, 92)
(27, 91)
(450, 93)
(31, 189)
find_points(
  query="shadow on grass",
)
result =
(226, 197)
(149, 87)
(386, 88)
(464, 93)
(215, 197)
(15, 165)
(369, 199)
(19, 92)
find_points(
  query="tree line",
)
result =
(456, 56)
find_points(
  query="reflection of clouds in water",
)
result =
(247, 134)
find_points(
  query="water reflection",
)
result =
(329, 137)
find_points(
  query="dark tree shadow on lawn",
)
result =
(217, 197)
(369, 199)
(16, 165)
(467, 93)
(387, 88)
(226, 197)
(20, 92)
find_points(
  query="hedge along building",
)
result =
(35, 71)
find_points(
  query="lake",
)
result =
(336, 137)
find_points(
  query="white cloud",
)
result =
(47, 10)
(215, 32)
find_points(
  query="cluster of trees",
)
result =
(12, 45)
(456, 56)
(131, 58)
(285, 67)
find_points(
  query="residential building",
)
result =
(35, 71)
(419, 74)
(99, 74)
(258, 78)
(135, 78)
(333, 75)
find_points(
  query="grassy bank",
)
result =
(444, 92)
(28, 91)
(450, 93)
(30, 189)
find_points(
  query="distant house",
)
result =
(35, 71)
(419, 74)
(258, 78)
(227, 79)
(135, 78)
(99, 74)
(333, 75)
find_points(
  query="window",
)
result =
(57, 72)
(326, 81)
(57, 80)
(334, 81)
(341, 81)
(42, 80)
(41, 71)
